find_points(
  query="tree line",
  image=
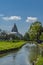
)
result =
(35, 32)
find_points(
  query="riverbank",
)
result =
(40, 61)
(40, 57)
(6, 46)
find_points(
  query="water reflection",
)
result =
(7, 59)
(22, 57)
(25, 55)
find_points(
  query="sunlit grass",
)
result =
(4, 45)
(40, 61)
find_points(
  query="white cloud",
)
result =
(31, 19)
(15, 18)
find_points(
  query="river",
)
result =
(22, 57)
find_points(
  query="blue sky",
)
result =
(21, 12)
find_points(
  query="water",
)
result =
(22, 57)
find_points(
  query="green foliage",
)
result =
(5, 45)
(26, 37)
(34, 30)
(40, 61)
(41, 36)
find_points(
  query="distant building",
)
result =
(11, 35)
(14, 29)
(14, 34)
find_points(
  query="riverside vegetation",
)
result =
(6, 45)
(34, 34)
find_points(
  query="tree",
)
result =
(26, 36)
(3, 35)
(0, 30)
(41, 36)
(34, 31)
(14, 29)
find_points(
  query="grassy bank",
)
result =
(40, 61)
(40, 58)
(6, 45)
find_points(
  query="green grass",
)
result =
(41, 45)
(40, 61)
(5, 45)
